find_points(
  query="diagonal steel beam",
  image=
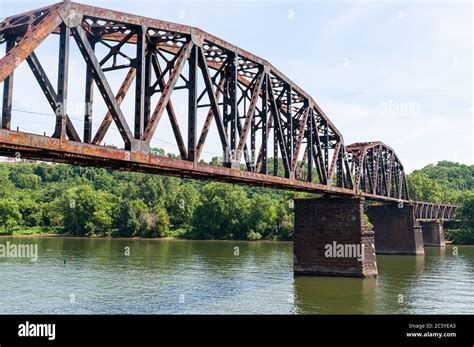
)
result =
(102, 84)
(251, 111)
(247, 157)
(208, 121)
(28, 43)
(258, 166)
(278, 128)
(105, 124)
(170, 109)
(166, 92)
(348, 169)
(299, 174)
(319, 152)
(299, 139)
(213, 100)
(333, 162)
(49, 92)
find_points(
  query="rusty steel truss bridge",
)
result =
(261, 117)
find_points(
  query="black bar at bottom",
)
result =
(140, 330)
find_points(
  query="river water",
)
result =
(120, 276)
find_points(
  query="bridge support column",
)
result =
(331, 238)
(433, 234)
(396, 229)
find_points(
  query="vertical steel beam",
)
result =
(231, 109)
(89, 100)
(322, 170)
(252, 141)
(7, 92)
(289, 124)
(140, 83)
(309, 139)
(340, 168)
(148, 91)
(192, 103)
(63, 67)
(275, 149)
(264, 156)
(279, 129)
(326, 146)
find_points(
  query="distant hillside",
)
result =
(448, 182)
(451, 175)
(444, 182)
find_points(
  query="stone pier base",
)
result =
(433, 234)
(332, 239)
(396, 230)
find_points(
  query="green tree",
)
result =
(84, 210)
(423, 188)
(155, 223)
(223, 214)
(10, 216)
(100, 222)
(7, 189)
(125, 219)
(263, 215)
(27, 181)
(183, 205)
(31, 211)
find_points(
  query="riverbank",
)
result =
(50, 233)
(35, 233)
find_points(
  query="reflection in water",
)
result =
(164, 276)
(335, 294)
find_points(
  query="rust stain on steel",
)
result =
(35, 35)
(384, 180)
(151, 23)
(61, 150)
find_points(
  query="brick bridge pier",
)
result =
(333, 236)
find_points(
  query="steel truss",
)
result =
(252, 105)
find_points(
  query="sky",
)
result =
(396, 72)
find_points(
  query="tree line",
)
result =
(87, 201)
